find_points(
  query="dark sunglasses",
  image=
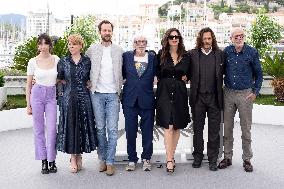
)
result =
(171, 37)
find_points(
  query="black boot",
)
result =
(52, 167)
(44, 167)
(213, 166)
(196, 163)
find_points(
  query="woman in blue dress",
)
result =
(76, 130)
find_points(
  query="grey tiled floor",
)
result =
(18, 169)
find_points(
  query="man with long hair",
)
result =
(206, 80)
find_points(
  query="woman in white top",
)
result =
(41, 102)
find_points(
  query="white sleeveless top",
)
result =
(45, 77)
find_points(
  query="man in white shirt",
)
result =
(106, 81)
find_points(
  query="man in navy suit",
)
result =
(139, 70)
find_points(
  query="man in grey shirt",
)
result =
(106, 82)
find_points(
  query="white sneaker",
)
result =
(130, 166)
(146, 165)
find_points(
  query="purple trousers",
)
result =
(43, 103)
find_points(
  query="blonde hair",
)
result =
(76, 39)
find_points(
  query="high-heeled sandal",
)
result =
(79, 162)
(73, 169)
(174, 162)
(169, 170)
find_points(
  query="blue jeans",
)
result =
(106, 110)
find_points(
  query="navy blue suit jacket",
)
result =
(135, 87)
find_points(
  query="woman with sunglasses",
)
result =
(172, 100)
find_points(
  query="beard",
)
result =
(207, 44)
(106, 38)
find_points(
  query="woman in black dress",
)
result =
(172, 100)
(76, 129)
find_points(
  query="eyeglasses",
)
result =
(171, 37)
(144, 42)
(241, 36)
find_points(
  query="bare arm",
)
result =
(28, 93)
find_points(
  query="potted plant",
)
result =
(274, 67)
(3, 94)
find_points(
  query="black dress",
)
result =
(76, 129)
(172, 98)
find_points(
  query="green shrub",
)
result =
(2, 81)
(265, 31)
(273, 66)
(12, 72)
(267, 100)
(85, 26)
(15, 101)
(60, 47)
(24, 53)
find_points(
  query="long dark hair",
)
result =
(165, 52)
(199, 42)
(46, 39)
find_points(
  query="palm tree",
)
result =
(274, 67)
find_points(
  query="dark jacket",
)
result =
(172, 97)
(135, 87)
(247, 73)
(194, 75)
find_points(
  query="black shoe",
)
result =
(52, 167)
(196, 163)
(44, 167)
(213, 166)
(174, 162)
(248, 166)
(225, 163)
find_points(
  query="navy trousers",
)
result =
(131, 128)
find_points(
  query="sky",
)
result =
(64, 8)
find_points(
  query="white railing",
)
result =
(6, 60)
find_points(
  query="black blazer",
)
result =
(194, 75)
